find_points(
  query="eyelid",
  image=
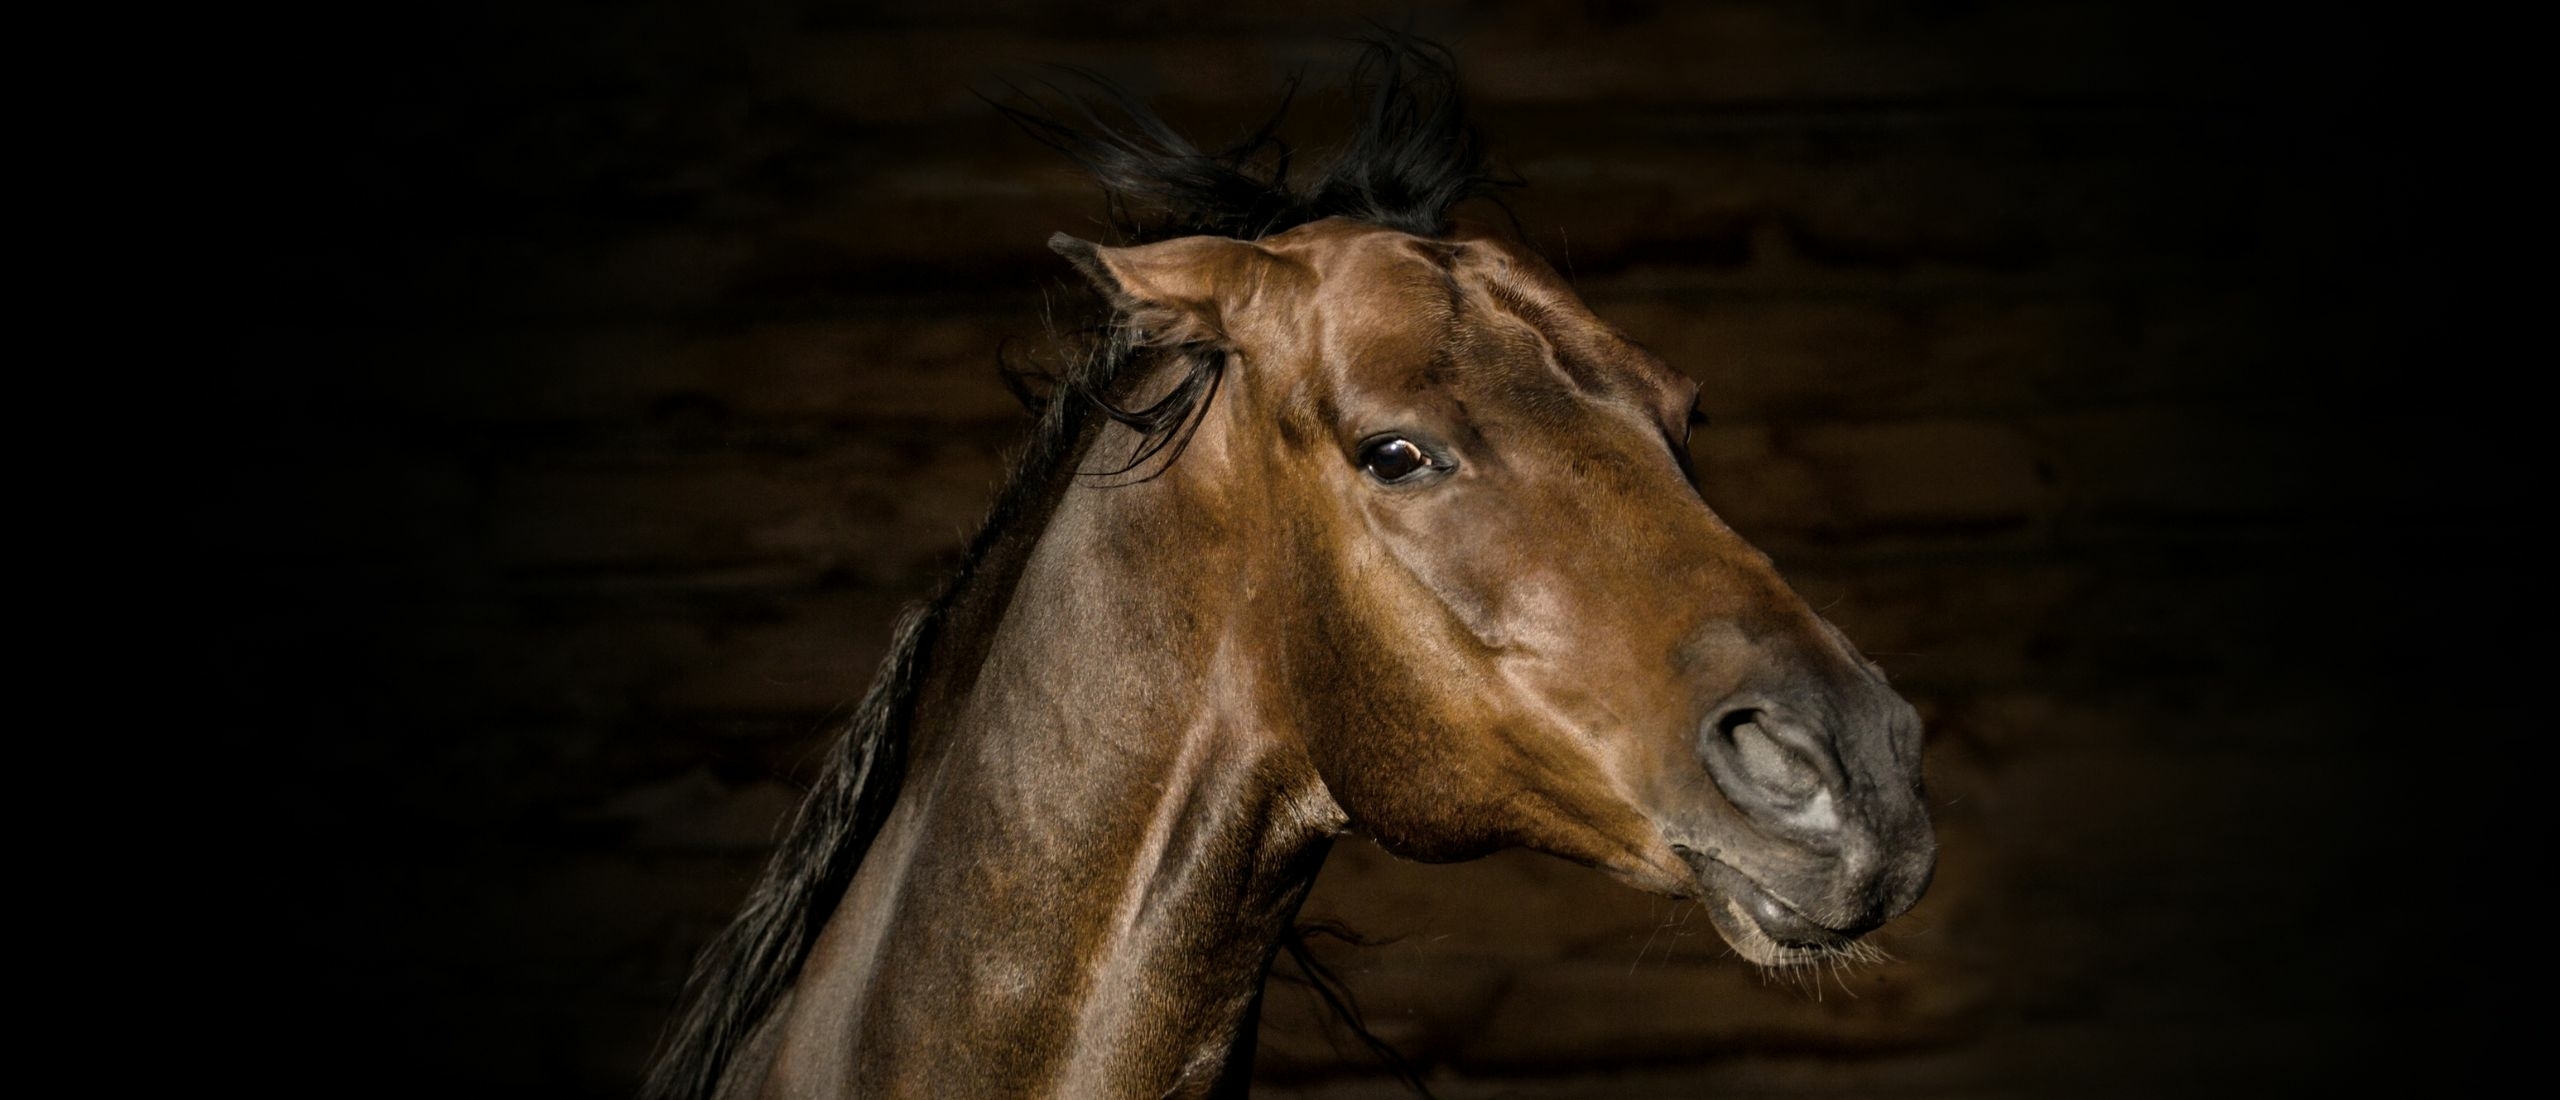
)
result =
(1696, 418)
(1428, 444)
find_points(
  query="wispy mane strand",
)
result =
(1412, 157)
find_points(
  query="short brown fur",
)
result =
(1129, 760)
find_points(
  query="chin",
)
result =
(1764, 927)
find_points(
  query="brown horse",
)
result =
(1357, 519)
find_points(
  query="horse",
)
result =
(1353, 517)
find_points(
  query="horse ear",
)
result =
(1180, 290)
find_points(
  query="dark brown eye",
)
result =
(1393, 459)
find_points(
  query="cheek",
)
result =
(1575, 622)
(1478, 564)
(1384, 716)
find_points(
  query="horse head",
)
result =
(1488, 598)
(1354, 517)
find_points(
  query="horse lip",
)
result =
(1748, 900)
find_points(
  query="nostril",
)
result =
(1766, 761)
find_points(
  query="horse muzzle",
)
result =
(1828, 836)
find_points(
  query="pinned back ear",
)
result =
(1179, 291)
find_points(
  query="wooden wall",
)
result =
(608, 375)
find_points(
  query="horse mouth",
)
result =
(1761, 926)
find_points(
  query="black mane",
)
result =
(1412, 157)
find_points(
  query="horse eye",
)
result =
(1394, 459)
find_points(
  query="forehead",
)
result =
(1471, 311)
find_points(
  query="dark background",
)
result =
(591, 383)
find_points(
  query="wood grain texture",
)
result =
(613, 375)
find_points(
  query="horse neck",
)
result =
(1098, 846)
